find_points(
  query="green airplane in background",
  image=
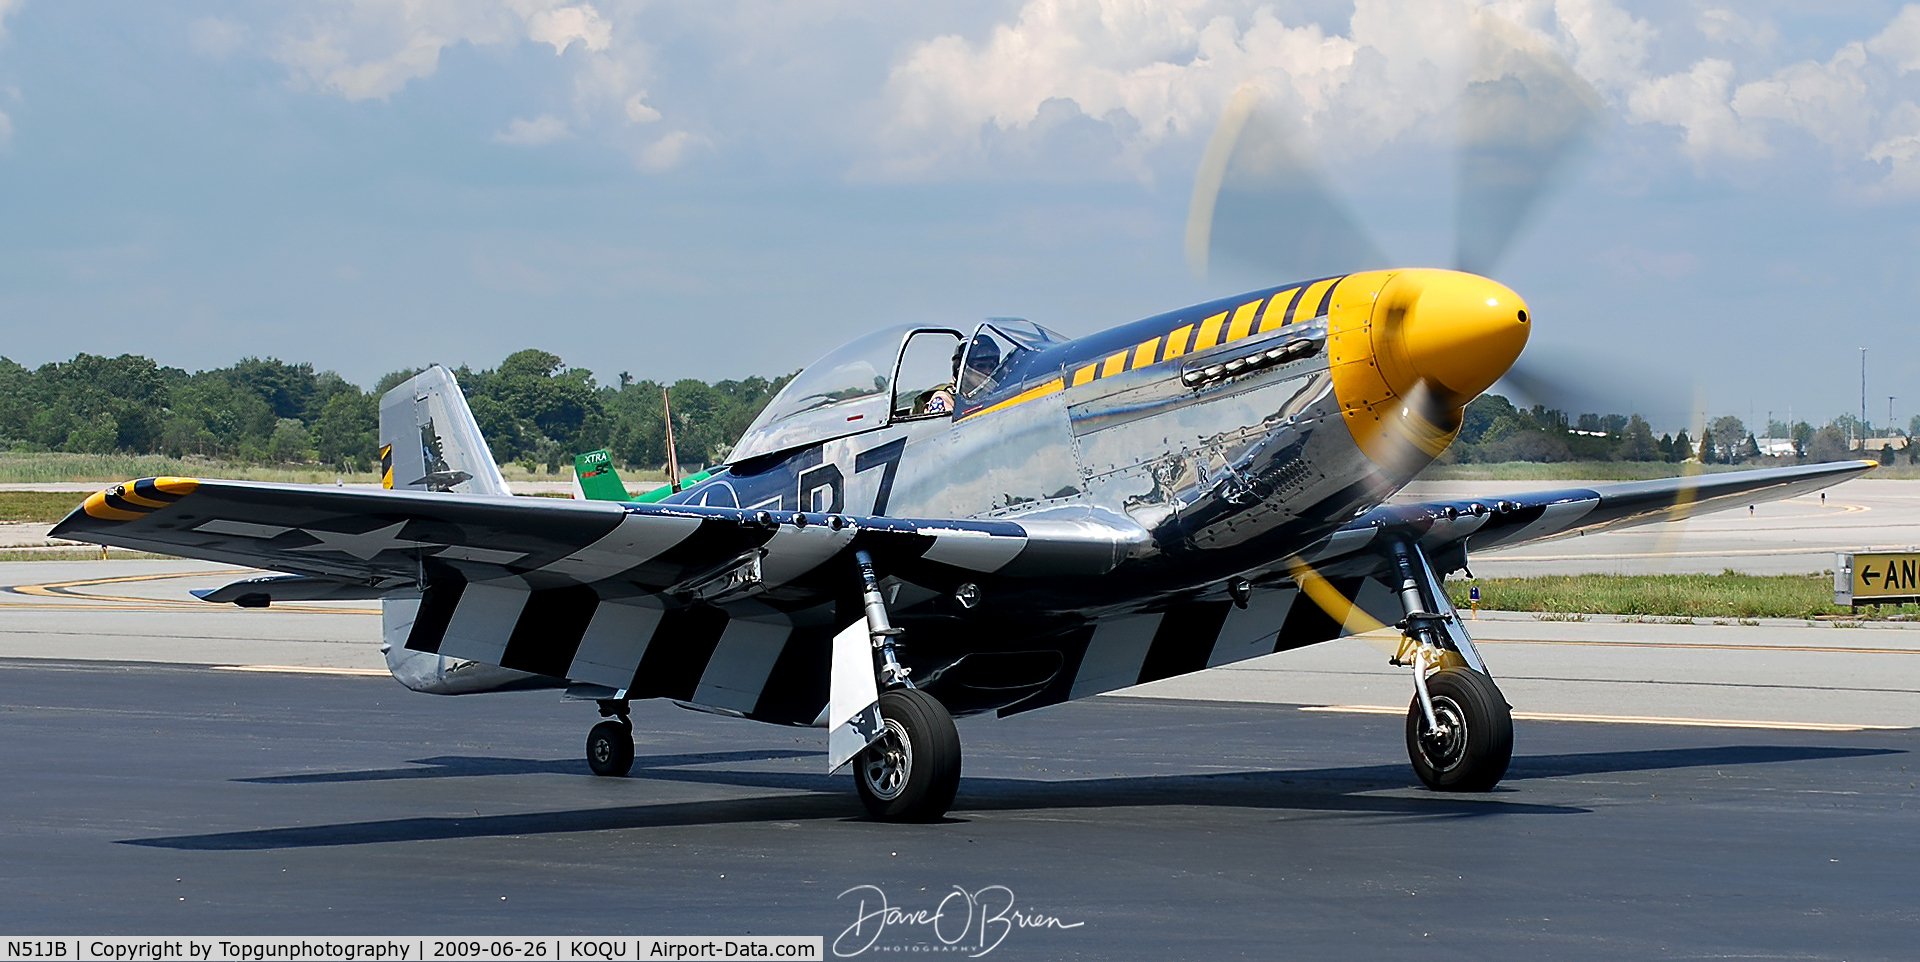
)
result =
(595, 480)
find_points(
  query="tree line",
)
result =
(1494, 430)
(537, 411)
(534, 409)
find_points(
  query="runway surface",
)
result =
(1727, 790)
(151, 800)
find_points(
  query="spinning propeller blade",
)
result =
(1524, 115)
(1261, 203)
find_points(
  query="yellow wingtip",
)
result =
(96, 506)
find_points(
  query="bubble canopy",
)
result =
(850, 390)
(843, 393)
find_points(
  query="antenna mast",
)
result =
(673, 457)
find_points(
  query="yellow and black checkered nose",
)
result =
(1456, 333)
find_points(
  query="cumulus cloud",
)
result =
(1117, 87)
(563, 26)
(1900, 42)
(371, 49)
(667, 152)
(1828, 100)
(544, 129)
(1851, 102)
(1699, 103)
(1164, 72)
(638, 110)
(1722, 25)
(1610, 45)
(1154, 74)
(1899, 150)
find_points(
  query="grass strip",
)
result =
(1618, 470)
(40, 467)
(79, 554)
(42, 506)
(1725, 595)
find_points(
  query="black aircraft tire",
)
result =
(610, 749)
(912, 772)
(1475, 756)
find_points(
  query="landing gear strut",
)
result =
(1459, 726)
(610, 743)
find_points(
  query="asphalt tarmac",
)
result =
(1729, 790)
(147, 799)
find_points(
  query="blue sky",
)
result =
(723, 189)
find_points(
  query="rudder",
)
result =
(430, 442)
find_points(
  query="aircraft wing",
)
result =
(1448, 529)
(379, 540)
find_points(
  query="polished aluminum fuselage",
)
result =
(1225, 480)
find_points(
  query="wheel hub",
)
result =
(1446, 745)
(887, 762)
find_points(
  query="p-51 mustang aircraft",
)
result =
(901, 537)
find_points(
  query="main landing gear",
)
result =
(610, 743)
(910, 767)
(1459, 726)
(912, 772)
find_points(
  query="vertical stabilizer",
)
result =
(594, 478)
(429, 441)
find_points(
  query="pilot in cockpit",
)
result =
(937, 400)
(976, 374)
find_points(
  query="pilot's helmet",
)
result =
(985, 358)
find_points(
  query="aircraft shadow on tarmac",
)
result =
(464, 766)
(824, 797)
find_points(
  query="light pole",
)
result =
(1863, 399)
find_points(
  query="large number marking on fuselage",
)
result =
(888, 456)
(810, 482)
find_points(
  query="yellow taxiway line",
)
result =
(64, 589)
(306, 670)
(1699, 645)
(55, 589)
(1702, 553)
(1632, 719)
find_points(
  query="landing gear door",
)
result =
(923, 380)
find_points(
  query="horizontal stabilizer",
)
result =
(260, 592)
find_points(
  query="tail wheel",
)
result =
(912, 772)
(1470, 750)
(610, 748)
